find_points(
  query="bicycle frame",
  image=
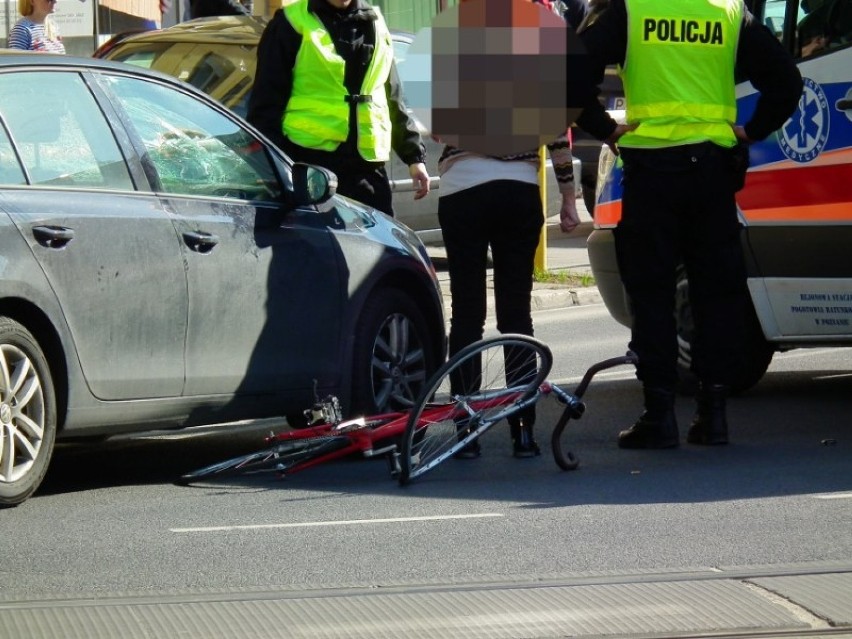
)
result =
(361, 435)
(360, 431)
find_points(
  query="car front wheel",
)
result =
(27, 413)
(757, 352)
(394, 354)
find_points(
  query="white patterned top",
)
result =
(31, 36)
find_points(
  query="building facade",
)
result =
(85, 24)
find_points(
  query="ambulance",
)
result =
(795, 208)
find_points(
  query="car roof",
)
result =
(236, 29)
(233, 29)
(17, 59)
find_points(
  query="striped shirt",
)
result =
(523, 167)
(30, 36)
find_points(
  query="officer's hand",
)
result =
(420, 177)
(621, 129)
(569, 219)
(742, 136)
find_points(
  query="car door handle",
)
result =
(844, 105)
(53, 236)
(200, 242)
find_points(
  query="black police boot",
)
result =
(657, 426)
(523, 442)
(710, 424)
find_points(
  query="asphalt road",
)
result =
(749, 538)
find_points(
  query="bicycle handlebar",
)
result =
(574, 407)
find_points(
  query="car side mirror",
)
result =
(312, 184)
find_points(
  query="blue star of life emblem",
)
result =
(804, 135)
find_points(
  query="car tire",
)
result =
(757, 352)
(394, 354)
(27, 413)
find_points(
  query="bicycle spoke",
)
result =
(479, 386)
(282, 457)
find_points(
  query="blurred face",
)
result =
(42, 8)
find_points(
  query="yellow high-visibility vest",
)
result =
(317, 114)
(679, 71)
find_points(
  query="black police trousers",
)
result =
(678, 208)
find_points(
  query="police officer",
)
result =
(683, 162)
(327, 92)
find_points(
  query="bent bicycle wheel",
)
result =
(480, 385)
(281, 457)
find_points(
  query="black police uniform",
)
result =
(354, 37)
(678, 207)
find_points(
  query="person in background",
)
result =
(209, 8)
(684, 158)
(495, 203)
(35, 30)
(327, 92)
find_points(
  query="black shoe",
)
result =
(710, 425)
(657, 427)
(523, 443)
(468, 451)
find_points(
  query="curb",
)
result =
(542, 299)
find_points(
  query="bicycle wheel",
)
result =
(476, 388)
(282, 457)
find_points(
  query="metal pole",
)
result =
(540, 263)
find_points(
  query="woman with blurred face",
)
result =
(35, 30)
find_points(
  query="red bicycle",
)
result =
(475, 389)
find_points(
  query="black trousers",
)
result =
(367, 184)
(506, 216)
(679, 208)
(358, 179)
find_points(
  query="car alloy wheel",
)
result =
(27, 414)
(393, 353)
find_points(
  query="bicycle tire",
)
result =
(471, 392)
(283, 457)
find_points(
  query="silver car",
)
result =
(163, 265)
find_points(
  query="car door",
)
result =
(797, 201)
(109, 251)
(264, 284)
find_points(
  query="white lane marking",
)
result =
(834, 496)
(349, 522)
(837, 376)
